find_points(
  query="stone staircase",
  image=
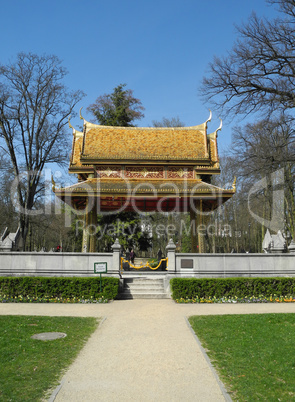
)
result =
(143, 288)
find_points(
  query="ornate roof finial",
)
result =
(71, 125)
(234, 184)
(209, 118)
(219, 128)
(81, 117)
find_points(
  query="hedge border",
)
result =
(59, 287)
(189, 288)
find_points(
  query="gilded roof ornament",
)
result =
(70, 125)
(209, 118)
(81, 117)
(219, 128)
(234, 184)
(89, 125)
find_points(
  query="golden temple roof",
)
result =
(104, 142)
(150, 144)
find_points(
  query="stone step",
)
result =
(143, 288)
(142, 281)
(151, 288)
(144, 296)
(139, 273)
(137, 285)
(144, 291)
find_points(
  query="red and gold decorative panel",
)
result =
(143, 172)
(109, 171)
(111, 203)
(180, 172)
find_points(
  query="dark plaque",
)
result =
(187, 263)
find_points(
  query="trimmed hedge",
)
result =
(188, 288)
(60, 287)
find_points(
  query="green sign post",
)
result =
(100, 268)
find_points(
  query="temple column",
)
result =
(202, 229)
(198, 227)
(89, 228)
(193, 229)
(92, 225)
(85, 240)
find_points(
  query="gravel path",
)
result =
(143, 351)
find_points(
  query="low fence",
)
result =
(55, 264)
(186, 265)
(234, 265)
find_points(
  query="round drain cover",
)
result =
(49, 336)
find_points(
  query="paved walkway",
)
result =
(143, 351)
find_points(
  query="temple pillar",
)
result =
(89, 228)
(198, 227)
(85, 239)
(92, 230)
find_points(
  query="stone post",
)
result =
(116, 256)
(171, 256)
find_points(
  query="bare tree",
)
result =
(34, 108)
(264, 146)
(168, 122)
(258, 151)
(259, 71)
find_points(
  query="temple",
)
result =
(144, 169)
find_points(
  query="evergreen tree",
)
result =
(119, 108)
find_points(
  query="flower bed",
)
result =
(50, 299)
(252, 299)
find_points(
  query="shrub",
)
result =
(188, 288)
(86, 288)
(153, 262)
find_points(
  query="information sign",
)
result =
(100, 267)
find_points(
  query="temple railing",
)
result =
(129, 265)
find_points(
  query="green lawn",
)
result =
(30, 367)
(253, 354)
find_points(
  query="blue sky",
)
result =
(161, 49)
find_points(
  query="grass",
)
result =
(253, 354)
(31, 367)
